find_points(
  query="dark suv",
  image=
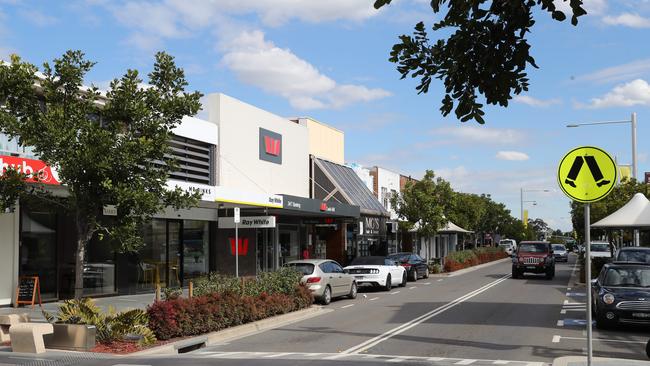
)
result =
(533, 257)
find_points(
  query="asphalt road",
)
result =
(479, 318)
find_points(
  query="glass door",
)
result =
(196, 244)
(174, 253)
(38, 250)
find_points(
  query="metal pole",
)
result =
(635, 237)
(521, 202)
(236, 250)
(588, 281)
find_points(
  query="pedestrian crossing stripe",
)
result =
(587, 174)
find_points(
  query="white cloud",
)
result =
(483, 135)
(628, 19)
(512, 155)
(593, 7)
(636, 92)
(279, 71)
(534, 102)
(622, 72)
(38, 18)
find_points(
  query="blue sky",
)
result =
(328, 60)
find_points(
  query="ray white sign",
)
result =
(247, 222)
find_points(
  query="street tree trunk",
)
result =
(84, 234)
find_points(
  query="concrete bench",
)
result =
(28, 337)
(6, 321)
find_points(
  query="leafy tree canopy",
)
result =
(486, 51)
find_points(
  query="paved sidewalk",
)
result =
(597, 361)
(119, 303)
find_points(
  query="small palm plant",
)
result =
(111, 325)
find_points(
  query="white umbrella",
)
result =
(635, 214)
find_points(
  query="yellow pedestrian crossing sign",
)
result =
(587, 174)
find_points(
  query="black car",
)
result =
(633, 254)
(621, 294)
(416, 267)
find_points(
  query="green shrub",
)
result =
(170, 293)
(111, 326)
(282, 281)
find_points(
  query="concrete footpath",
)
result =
(597, 361)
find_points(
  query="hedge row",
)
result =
(216, 311)
(282, 281)
(468, 258)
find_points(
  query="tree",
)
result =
(110, 150)
(486, 51)
(539, 226)
(424, 203)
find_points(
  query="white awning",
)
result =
(635, 214)
(453, 228)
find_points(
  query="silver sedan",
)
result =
(325, 278)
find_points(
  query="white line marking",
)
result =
(562, 311)
(560, 323)
(435, 359)
(394, 293)
(556, 339)
(440, 280)
(427, 283)
(573, 309)
(411, 288)
(465, 362)
(279, 355)
(604, 340)
(566, 302)
(347, 306)
(422, 318)
(501, 362)
(397, 359)
(373, 299)
(223, 354)
(535, 364)
(334, 357)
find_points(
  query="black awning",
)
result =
(319, 207)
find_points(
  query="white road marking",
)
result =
(334, 357)
(373, 299)
(279, 355)
(422, 318)
(398, 359)
(578, 294)
(435, 359)
(411, 288)
(573, 309)
(427, 283)
(501, 362)
(440, 280)
(465, 362)
(566, 302)
(599, 340)
(562, 311)
(535, 364)
(221, 354)
(394, 293)
(347, 306)
(560, 323)
(556, 339)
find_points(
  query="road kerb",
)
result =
(597, 361)
(239, 331)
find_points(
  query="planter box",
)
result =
(72, 337)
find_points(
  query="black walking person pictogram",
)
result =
(593, 168)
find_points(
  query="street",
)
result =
(482, 317)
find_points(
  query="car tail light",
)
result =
(406, 265)
(313, 280)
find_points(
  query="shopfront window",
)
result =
(196, 243)
(99, 268)
(38, 249)
(289, 245)
(149, 264)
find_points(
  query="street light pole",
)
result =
(521, 199)
(634, 167)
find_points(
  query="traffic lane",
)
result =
(370, 316)
(511, 321)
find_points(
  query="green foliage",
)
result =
(111, 326)
(108, 150)
(170, 293)
(424, 203)
(282, 281)
(616, 199)
(483, 50)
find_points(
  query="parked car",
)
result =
(416, 267)
(507, 247)
(621, 294)
(512, 242)
(633, 254)
(560, 253)
(377, 271)
(534, 257)
(600, 249)
(325, 278)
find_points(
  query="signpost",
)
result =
(237, 219)
(587, 184)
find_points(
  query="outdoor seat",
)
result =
(6, 321)
(28, 337)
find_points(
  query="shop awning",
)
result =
(345, 182)
(635, 214)
(452, 228)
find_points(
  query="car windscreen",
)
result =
(304, 268)
(627, 277)
(642, 256)
(402, 258)
(560, 248)
(362, 261)
(599, 247)
(533, 248)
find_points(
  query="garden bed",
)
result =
(469, 258)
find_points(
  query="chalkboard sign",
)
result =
(27, 290)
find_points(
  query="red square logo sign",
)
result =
(242, 244)
(270, 146)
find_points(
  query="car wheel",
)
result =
(353, 291)
(415, 275)
(404, 280)
(389, 283)
(515, 273)
(327, 296)
(426, 273)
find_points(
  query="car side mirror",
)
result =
(396, 263)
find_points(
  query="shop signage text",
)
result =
(38, 171)
(247, 222)
(372, 225)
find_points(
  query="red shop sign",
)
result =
(31, 167)
(243, 246)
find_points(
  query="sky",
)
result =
(329, 60)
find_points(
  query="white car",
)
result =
(507, 247)
(377, 271)
(512, 242)
(600, 249)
